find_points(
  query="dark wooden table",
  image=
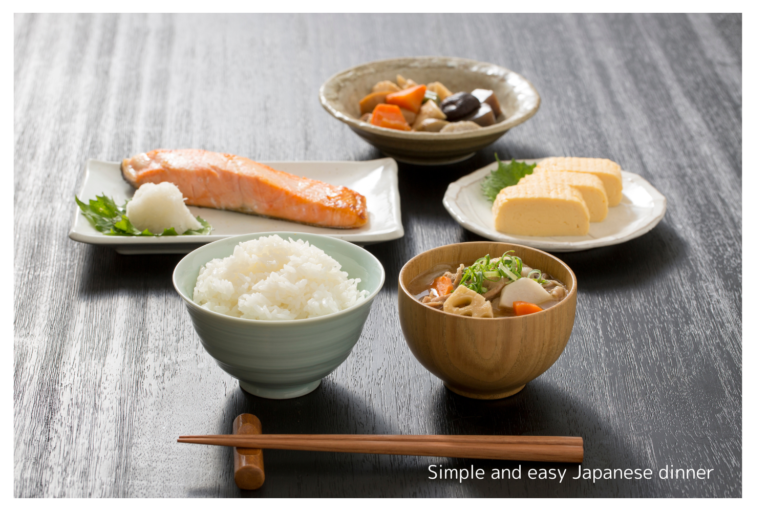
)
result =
(108, 370)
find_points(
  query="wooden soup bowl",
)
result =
(485, 358)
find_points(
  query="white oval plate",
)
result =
(642, 207)
(375, 179)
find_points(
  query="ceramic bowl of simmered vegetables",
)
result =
(429, 110)
(486, 326)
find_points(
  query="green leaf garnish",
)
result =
(504, 176)
(202, 231)
(124, 227)
(108, 218)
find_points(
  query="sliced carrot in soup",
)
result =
(442, 285)
(524, 308)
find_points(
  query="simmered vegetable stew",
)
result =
(488, 288)
(409, 106)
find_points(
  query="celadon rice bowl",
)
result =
(270, 278)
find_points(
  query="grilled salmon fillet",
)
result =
(230, 182)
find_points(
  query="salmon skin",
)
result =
(231, 182)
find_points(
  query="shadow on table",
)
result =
(540, 409)
(393, 256)
(650, 257)
(479, 159)
(421, 196)
(422, 186)
(105, 272)
(331, 409)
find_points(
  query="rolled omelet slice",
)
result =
(550, 207)
(591, 188)
(608, 171)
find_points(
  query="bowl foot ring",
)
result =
(486, 395)
(431, 161)
(279, 393)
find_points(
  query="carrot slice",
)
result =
(442, 285)
(368, 103)
(389, 116)
(524, 308)
(410, 98)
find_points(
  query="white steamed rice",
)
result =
(275, 279)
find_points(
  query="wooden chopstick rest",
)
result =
(249, 462)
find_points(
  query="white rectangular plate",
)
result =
(642, 207)
(375, 179)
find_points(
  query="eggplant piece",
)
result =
(459, 105)
(482, 116)
(488, 97)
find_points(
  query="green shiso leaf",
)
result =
(206, 229)
(504, 176)
(101, 212)
(108, 218)
(123, 227)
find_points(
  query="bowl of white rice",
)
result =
(279, 311)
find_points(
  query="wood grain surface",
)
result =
(108, 370)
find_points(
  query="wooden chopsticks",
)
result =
(523, 448)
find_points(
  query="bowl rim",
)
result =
(255, 322)
(571, 292)
(399, 134)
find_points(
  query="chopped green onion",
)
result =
(507, 266)
(536, 276)
(518, 265)
(507, 272)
